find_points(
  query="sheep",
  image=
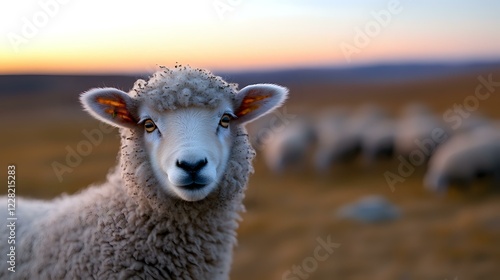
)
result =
(170, 208)
(329, 127)
(343, 138)
(463, 158)
(289, 147)
(378, 141)
(415, 131)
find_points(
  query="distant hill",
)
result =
(369, 74)
(30, 102)
(377, 73)
(26, 84)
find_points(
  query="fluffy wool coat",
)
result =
(127, 227)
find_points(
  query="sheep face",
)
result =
(187, 131)
(188, 148)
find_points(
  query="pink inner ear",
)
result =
(250, 103)
(116, 108)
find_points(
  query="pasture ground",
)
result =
(455, 236)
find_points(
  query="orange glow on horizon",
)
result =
(255, 35)
(219, 56)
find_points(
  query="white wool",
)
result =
(460, 159)
(128, 227)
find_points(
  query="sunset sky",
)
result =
(69, 36)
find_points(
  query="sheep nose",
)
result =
(191, 167)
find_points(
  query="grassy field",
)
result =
(456, 236)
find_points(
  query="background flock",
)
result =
(457, 147)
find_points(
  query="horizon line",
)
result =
(332, 66)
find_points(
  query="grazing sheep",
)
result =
(169, 210)
(416, 130)
(378, 141)
(329, 129)
(290, 147)
(465, 157)
(343, 138)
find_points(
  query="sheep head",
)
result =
(187, 127)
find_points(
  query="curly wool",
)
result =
(169, 89)
(129, 228)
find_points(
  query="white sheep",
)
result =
(463, 158)
(378, 140)
(290, 146)
(343, 135)
(416, 131)
(169, 210)
(329, 127)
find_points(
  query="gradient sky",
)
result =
(61, 36)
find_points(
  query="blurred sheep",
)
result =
(330, 127)
(417, 130)
(378, 141)
(290, 146)
(464, 158)
(340, 135)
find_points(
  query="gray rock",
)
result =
(369, 209)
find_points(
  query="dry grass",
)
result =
(457, 235)
(437, 237)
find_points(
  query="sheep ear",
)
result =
(111, 106)
(255, 101)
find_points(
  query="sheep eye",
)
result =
(224, 121)
(149, 126)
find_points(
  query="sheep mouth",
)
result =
(193, 186)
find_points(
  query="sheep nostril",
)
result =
(191, 167)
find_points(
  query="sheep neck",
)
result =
(217, 215)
